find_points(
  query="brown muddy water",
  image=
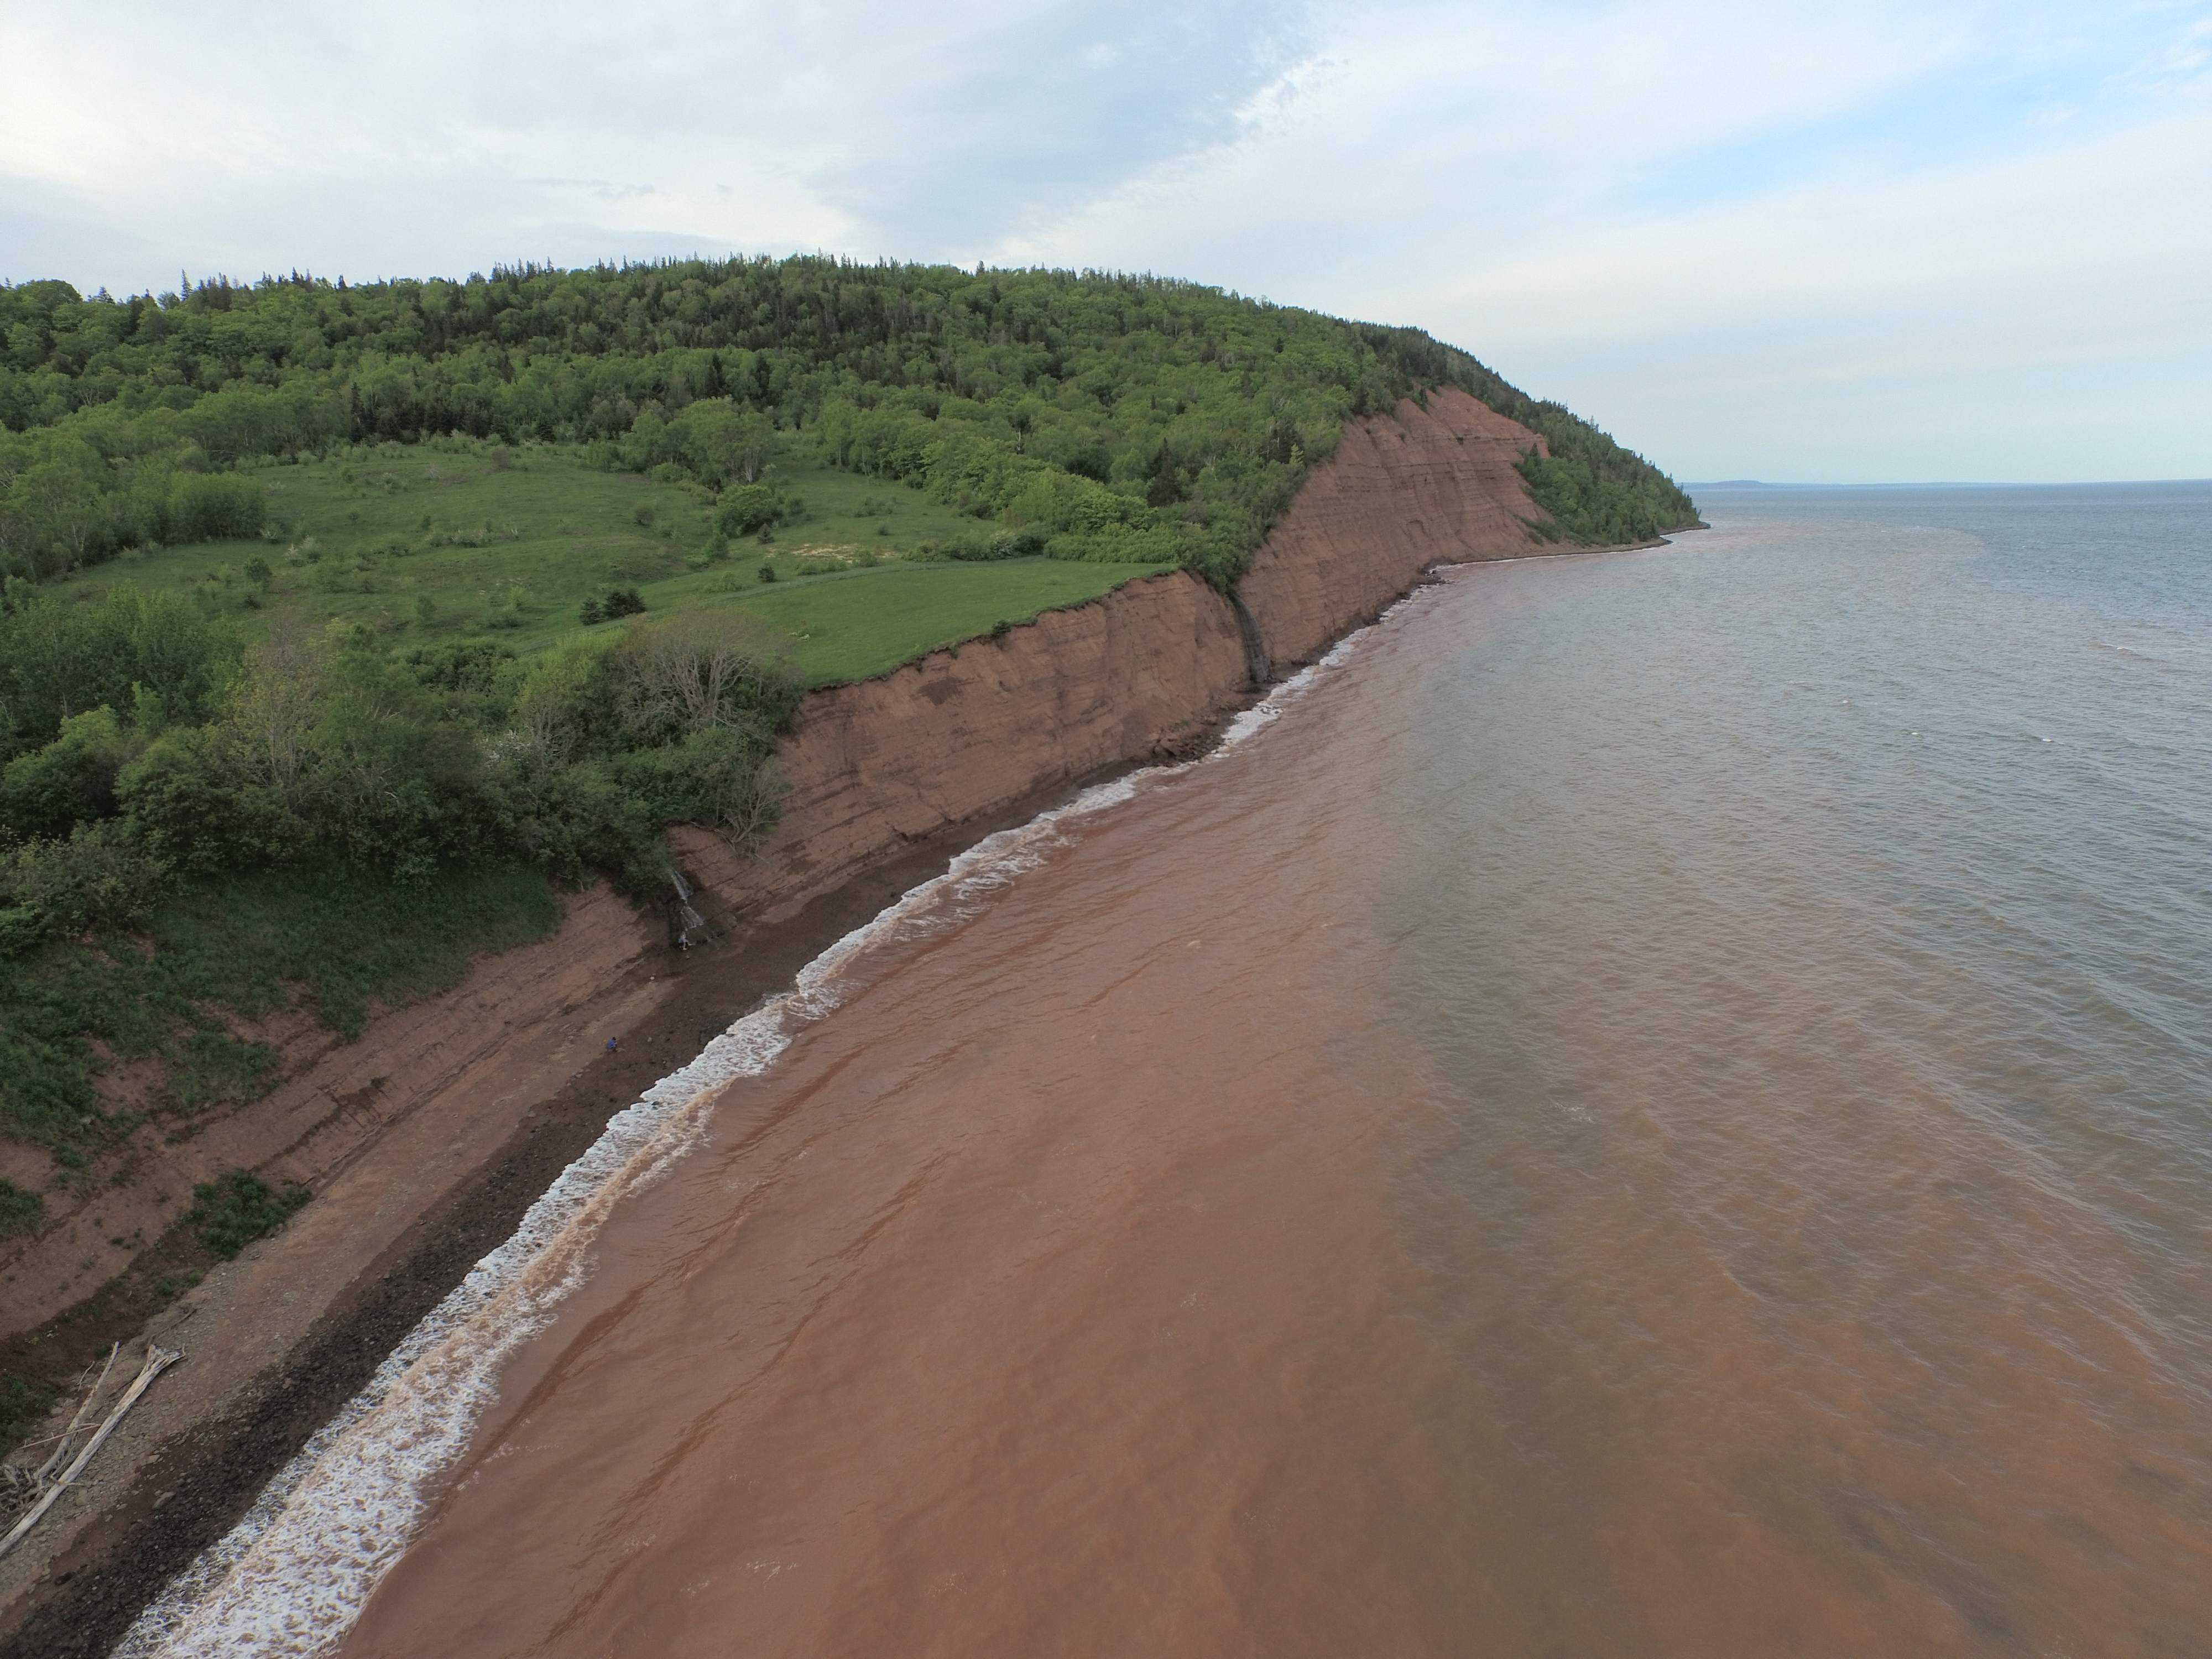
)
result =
(1661, 1108)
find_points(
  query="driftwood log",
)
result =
(157, 1361)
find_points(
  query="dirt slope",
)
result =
(452, 1058)
(1404, 491)
(882, 763)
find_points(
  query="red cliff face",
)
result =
(875, 765)
(1404, 491)
(962, 732)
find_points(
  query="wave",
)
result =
(293, 1574)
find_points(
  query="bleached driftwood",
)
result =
(61, 1446)
(157, 1361)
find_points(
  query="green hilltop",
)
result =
(1116, 417)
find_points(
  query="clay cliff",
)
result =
(1404, 491)
(940, 742)
(1135, 676)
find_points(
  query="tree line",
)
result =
(1116, 416)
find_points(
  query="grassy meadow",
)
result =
(426, 543)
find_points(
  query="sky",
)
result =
(1846, 243)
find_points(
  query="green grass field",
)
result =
(427, 543)
(856, 623)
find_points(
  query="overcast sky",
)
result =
(1853, 242)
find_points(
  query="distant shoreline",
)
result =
(1958, 483)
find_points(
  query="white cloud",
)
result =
(1801, 244)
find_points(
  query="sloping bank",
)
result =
(426, 1141)
(1138, 675)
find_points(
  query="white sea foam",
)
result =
(293, 1574)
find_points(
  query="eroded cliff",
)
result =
(1405, 490)
(1138, 674)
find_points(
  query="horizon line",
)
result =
(1931, 484)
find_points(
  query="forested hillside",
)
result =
(1092, 416)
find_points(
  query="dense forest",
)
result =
(1092, 416)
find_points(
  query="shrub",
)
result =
(1015, 544)
(96, 878)
(187, 804)
(20, 1212)
(72, 779)
(700, 670)
(211, 507)
(748, 508)
(231, 1211)
(725, 779)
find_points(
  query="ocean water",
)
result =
(1659, 1104)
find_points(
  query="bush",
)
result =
(703, 669)
(43, 793)
(213, 506)
(389, 780)
(1125, 546)
(231, 1211)
(1014, 545)
(724, 779)
(20, 1212)
(185, 804)
(748, 508)
(96, 878)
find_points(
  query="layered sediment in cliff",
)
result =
(875, 765)
(1138, 674)
(1414, 487)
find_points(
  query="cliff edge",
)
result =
(1415, 488)
(1139, 675)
